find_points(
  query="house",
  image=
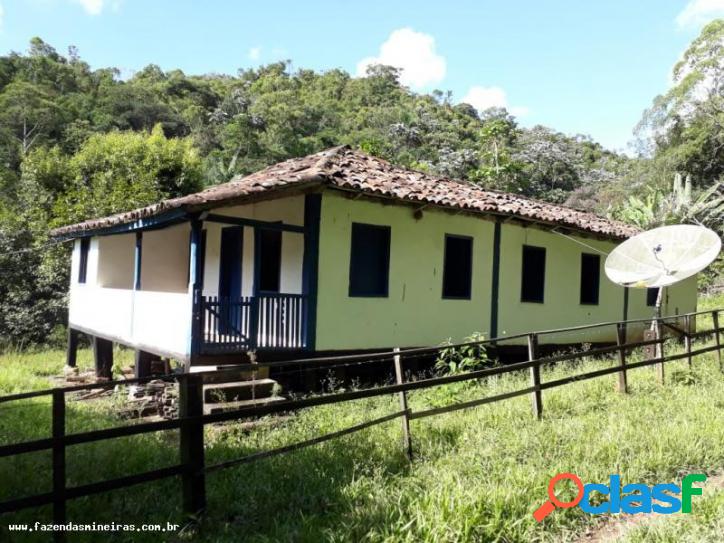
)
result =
(341, 251)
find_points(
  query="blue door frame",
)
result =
(230, 257)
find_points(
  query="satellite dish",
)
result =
(662, 256)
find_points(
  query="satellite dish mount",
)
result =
(661, 257)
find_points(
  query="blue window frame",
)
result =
(369, 264)
(457, 272)
(269, 256)
(83, 262)
(590, 278)
(651, 295)
(533, 274)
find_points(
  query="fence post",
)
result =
(537, 395)
(687, 339)
(659, 350)
(58, 429)
(406, 438)
(621, 341)
(191, 408)
(715, 318)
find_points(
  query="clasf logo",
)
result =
(632, 498)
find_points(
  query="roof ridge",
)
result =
(353, 169)
(321, 168)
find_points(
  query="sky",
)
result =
(581, 67)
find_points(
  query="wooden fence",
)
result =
(192, 467)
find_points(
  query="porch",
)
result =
(214, 286)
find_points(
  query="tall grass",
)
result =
(477, 475)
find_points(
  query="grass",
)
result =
(478, 474)
(706, 523)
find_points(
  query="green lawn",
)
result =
(706, 523)
(478, 474)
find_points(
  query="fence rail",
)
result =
(191, 421)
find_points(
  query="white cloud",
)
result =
(482, 98)
(2, 15)
(699, 12)
(92, 7)
(519, 111)
(413, 52)
(254, 53)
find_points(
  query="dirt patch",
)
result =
(616, 527)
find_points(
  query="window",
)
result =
(83, 263)
(651, 295)
(270, 260)
(590, 278)
(458, 267)
(369, 263)
(534, 273)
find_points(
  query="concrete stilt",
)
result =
(71, 355)
(103, 356)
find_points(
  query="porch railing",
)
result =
(275, 321)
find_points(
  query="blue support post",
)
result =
(310, 267)
(495, 287)
(137, 261)
(625, 313)
(196, 262)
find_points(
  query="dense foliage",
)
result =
(77, 142)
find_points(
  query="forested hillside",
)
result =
(77, 142)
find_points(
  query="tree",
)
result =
(77, 143)
(496, 138)
(682, 204)
(120, 171)
(550, 164)
(685, 125)
(28, 113)
(111, 172)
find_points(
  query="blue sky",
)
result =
(578, 66)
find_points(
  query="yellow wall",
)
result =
(561, 307)
(414, 313)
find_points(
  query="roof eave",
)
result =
(151, 222)
(478, 212)
(178, 214)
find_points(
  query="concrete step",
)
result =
(230, 406)
(238, 390)
(229, 374)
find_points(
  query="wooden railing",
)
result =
(193, 467)
(281, 321)
(276, 321)
(226, 323)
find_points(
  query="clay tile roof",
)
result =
(343, 168)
